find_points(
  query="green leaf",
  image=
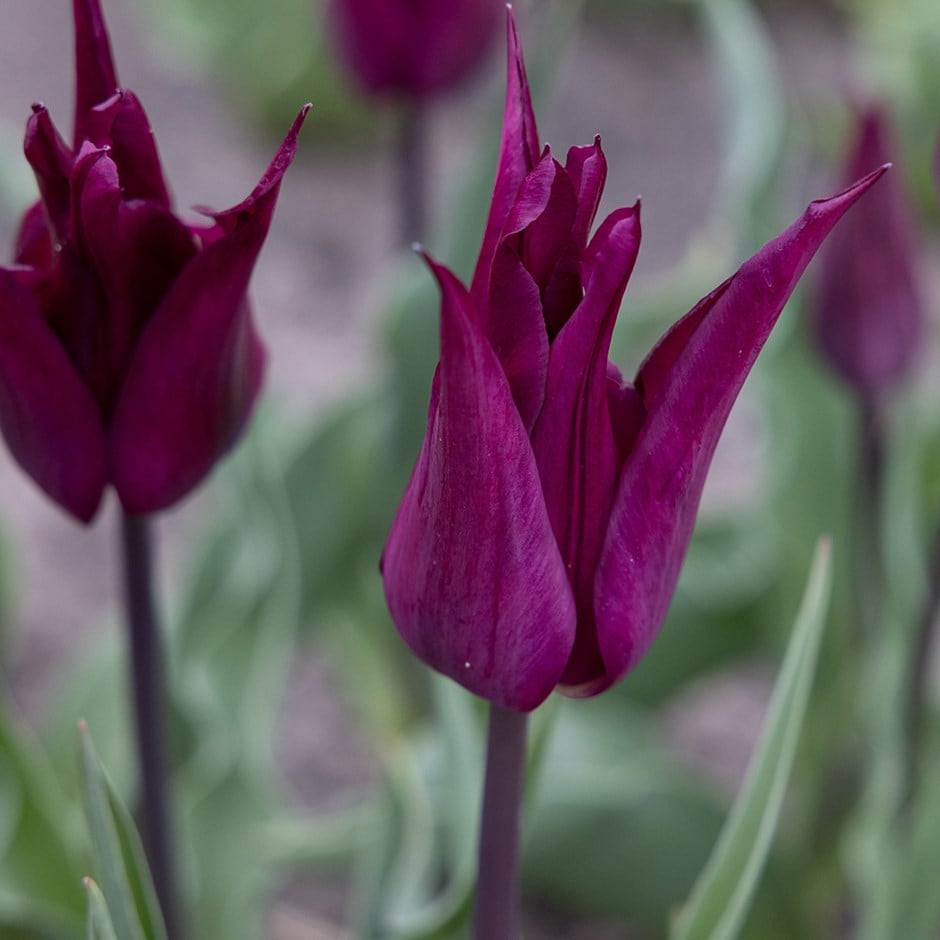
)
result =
(118, 853)
(40, 843)
(721, 897)
(617, 828)
(416, 875)
(100, 926)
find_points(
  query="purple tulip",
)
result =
(413, 48)
(869, 313)
(540, 539)
(127, 350)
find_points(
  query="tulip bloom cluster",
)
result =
(540, 539)
(127, 350)
(870, 315)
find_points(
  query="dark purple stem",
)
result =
(412, 172)
(147, 675)
(497, 899)
(868, 573)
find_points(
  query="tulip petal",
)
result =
(516, 331)
(573, 439)
(33, 246)
(473, 576)
(587, 169)
(51, 160)
(689, 384)
(95, 76)
(47, 416)
(137, 247)
(547, 237)
(122, 124)
(518, 156)
(198, 365)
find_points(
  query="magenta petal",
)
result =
(587, 169)
(532, 197)
(137, 247)
(573, 439)
(546, 239)
(516, 331)
(122, 124)
(51, 160)
(518, 156)
(585, 172)
(696, 383)
(198, 366)
(48, 418)
(33, 246)
(472, 572)
(95, 76)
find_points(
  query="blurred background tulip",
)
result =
(413, 48)
(869, 312)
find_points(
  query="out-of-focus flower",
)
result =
(127, 350)
(413, 48)
(869, 313)
(541, 536)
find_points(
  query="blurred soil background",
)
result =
(642, 78)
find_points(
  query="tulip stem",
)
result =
(497, 899)
(147, 681)
(868, 574)
(412, 170)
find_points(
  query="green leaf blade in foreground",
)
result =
(125, 879)
(720, 899)
(99, 917)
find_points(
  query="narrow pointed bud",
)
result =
(868, 310)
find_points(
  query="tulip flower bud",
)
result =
(540, 539)
(413, 48)
(127, 350)
(869, 314)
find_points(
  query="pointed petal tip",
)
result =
(512, 33)
(288, 147)
(445, 278)
(860, 186)
(271, 180)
